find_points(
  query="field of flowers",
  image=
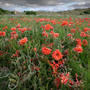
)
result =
(44, 53)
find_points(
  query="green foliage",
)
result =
(31, 70)
(30, 12)
(2, 11)
(87, 12)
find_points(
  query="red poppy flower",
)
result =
(16, 54)
(57, 82)
(5, 27)
(83, 34)
(64, 78)
(69, 34)
(78, 41)
(48, 27)
(2, 33)
(86, 29)
(55, 35)
(35, 49)
(57, 55)
(44, 34)
(64, 23)
(23, 41)
(13, 29)
(73, 30)
(23, 30)
(46, 51)
(51, 32)
(85, 42)
(18, 26)
(78, 49)
(14, 35)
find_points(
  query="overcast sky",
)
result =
(44, 5)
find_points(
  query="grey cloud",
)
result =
(10, 4)
(81, 5)
(36, 2)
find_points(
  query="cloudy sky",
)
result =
(44, 5)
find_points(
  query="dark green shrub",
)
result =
(30, 12)
(87, 12)
(2, 11)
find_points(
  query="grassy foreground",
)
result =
(44, 53)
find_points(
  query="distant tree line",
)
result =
(30, 12)
(76, 12)
(87, 11)
(2, 11)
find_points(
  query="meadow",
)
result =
(44, 53)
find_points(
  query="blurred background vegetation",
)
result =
(30, 12)
(69, 12)
(2, 11)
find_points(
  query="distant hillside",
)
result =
(2, 11)
(76, 12)
(69, 12)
